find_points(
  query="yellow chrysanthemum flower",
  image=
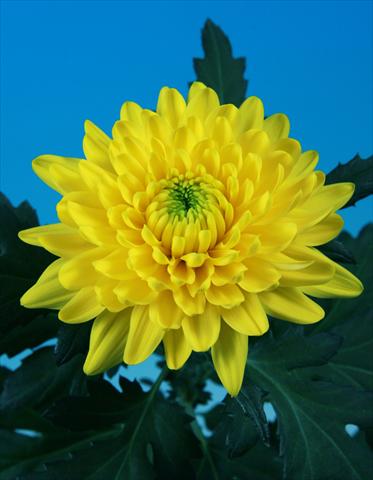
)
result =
(188, 227)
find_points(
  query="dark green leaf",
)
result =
(353, 363)
(235, 430)
(250, 399)
(188, 384)
(39, 381)
(30, 335)
(360, 172)
(219, 69)
(19, 453)
(20, 266)
(258, 463)
(349, 310)
(72, 340)
(337, 252)
(312, 414)
(145, 437)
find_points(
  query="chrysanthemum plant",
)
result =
(200, 232)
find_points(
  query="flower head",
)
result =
(188, 227)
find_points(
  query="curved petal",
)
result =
(108, 338)
(229, 355)
(144, 336)
(227, 296)
(334, 196)
(177, 349)
(251, 115)
(79, 271)
(202, 331)
(343, 284)
(83, 306)
(202, 102)
(171, 105)
(322, 232)
(63, 179)
(320, 271)
(249, 318)
(260, 275)
(135, 291)
(164, 311)
(58, 239)
(96, 146)
(277, 126)
(292, 305)
(188, 304)
(47, 291)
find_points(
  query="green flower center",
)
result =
(185, 195)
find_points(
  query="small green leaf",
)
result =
(219, 69)
(360, 172)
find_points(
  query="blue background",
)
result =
(67, 61)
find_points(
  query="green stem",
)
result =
(149, 401)
(205, 448)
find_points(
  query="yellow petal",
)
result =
(249, 318)
(254, 141)
(194, 89)
(260, 275)
(188, 304)
(108, 339)
(104, 289)
(83, 306)
(143, 338)
(232, 273)
(227, 296)
(135, 291)
(164, 312)
(42, 167)
(114, 265)
(202, 331)
(79, 271)
(275, 237)
(101, 183)
(333, 196)
(322, 232)
(251, 114)
(87, 216)
(343, 284)
(177, 349)
(320, 271)
(229, 355)
(99, 236)
(47, 291)
(58, 239)
(277, 126)
(292, 305)
(131, 112)
(96, 145)
(202, 103)
(171, 105)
